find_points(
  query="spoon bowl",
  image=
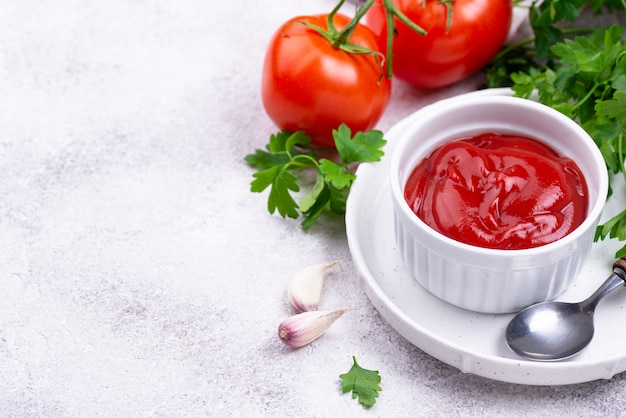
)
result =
(557, 330)
(550, 330)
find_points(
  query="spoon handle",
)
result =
(614, 281)
(619, 267)
(617, 279)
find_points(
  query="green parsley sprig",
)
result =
(283, 164)
(363, 383)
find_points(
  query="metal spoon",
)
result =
(556, 330)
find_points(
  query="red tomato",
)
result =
(477, 31)
(309, 85)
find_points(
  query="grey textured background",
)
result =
(138, 274)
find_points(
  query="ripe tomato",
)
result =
(443, 56)
(308, 84)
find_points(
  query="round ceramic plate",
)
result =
(474, 342)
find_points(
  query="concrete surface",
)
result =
(139, 276)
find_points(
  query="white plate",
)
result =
(474, 342)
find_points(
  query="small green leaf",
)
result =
(620, 83)
(263, 179)
(278, 142)
(318, 207)
(614, 227)
(309, 200)
(621, 252)
(611, 160)
(263, 160)
(336, 174)
(285, 141)
(364, 147)
(614, 108)
(338, 200)
(523, 85)
(362, 382)
(281, 182)
(297, 139)
(582, 53)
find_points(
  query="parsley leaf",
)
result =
(614, 108)
(336, 174)
(364, 147)
(362, 382)
(286, 164)
(281, 182)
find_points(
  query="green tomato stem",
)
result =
(448, 4)
(308, 161)
(392, 11)
(391, 28)
(340, 39)
(330, 23)
(344, 35)
(587, 96)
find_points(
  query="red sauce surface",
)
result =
(498, 191)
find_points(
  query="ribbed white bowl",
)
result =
(482, 279)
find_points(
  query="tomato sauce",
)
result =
(498, 191)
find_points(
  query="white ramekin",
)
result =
(482, 279)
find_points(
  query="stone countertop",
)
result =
(139, 275)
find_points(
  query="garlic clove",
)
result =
(305, 290)
(304, 328)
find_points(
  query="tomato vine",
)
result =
(340, 39)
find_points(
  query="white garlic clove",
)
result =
(304, 328)
(305, 290)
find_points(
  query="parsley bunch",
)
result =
(551, 21)
(288, 158)
(584, 77)
(589, 86)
